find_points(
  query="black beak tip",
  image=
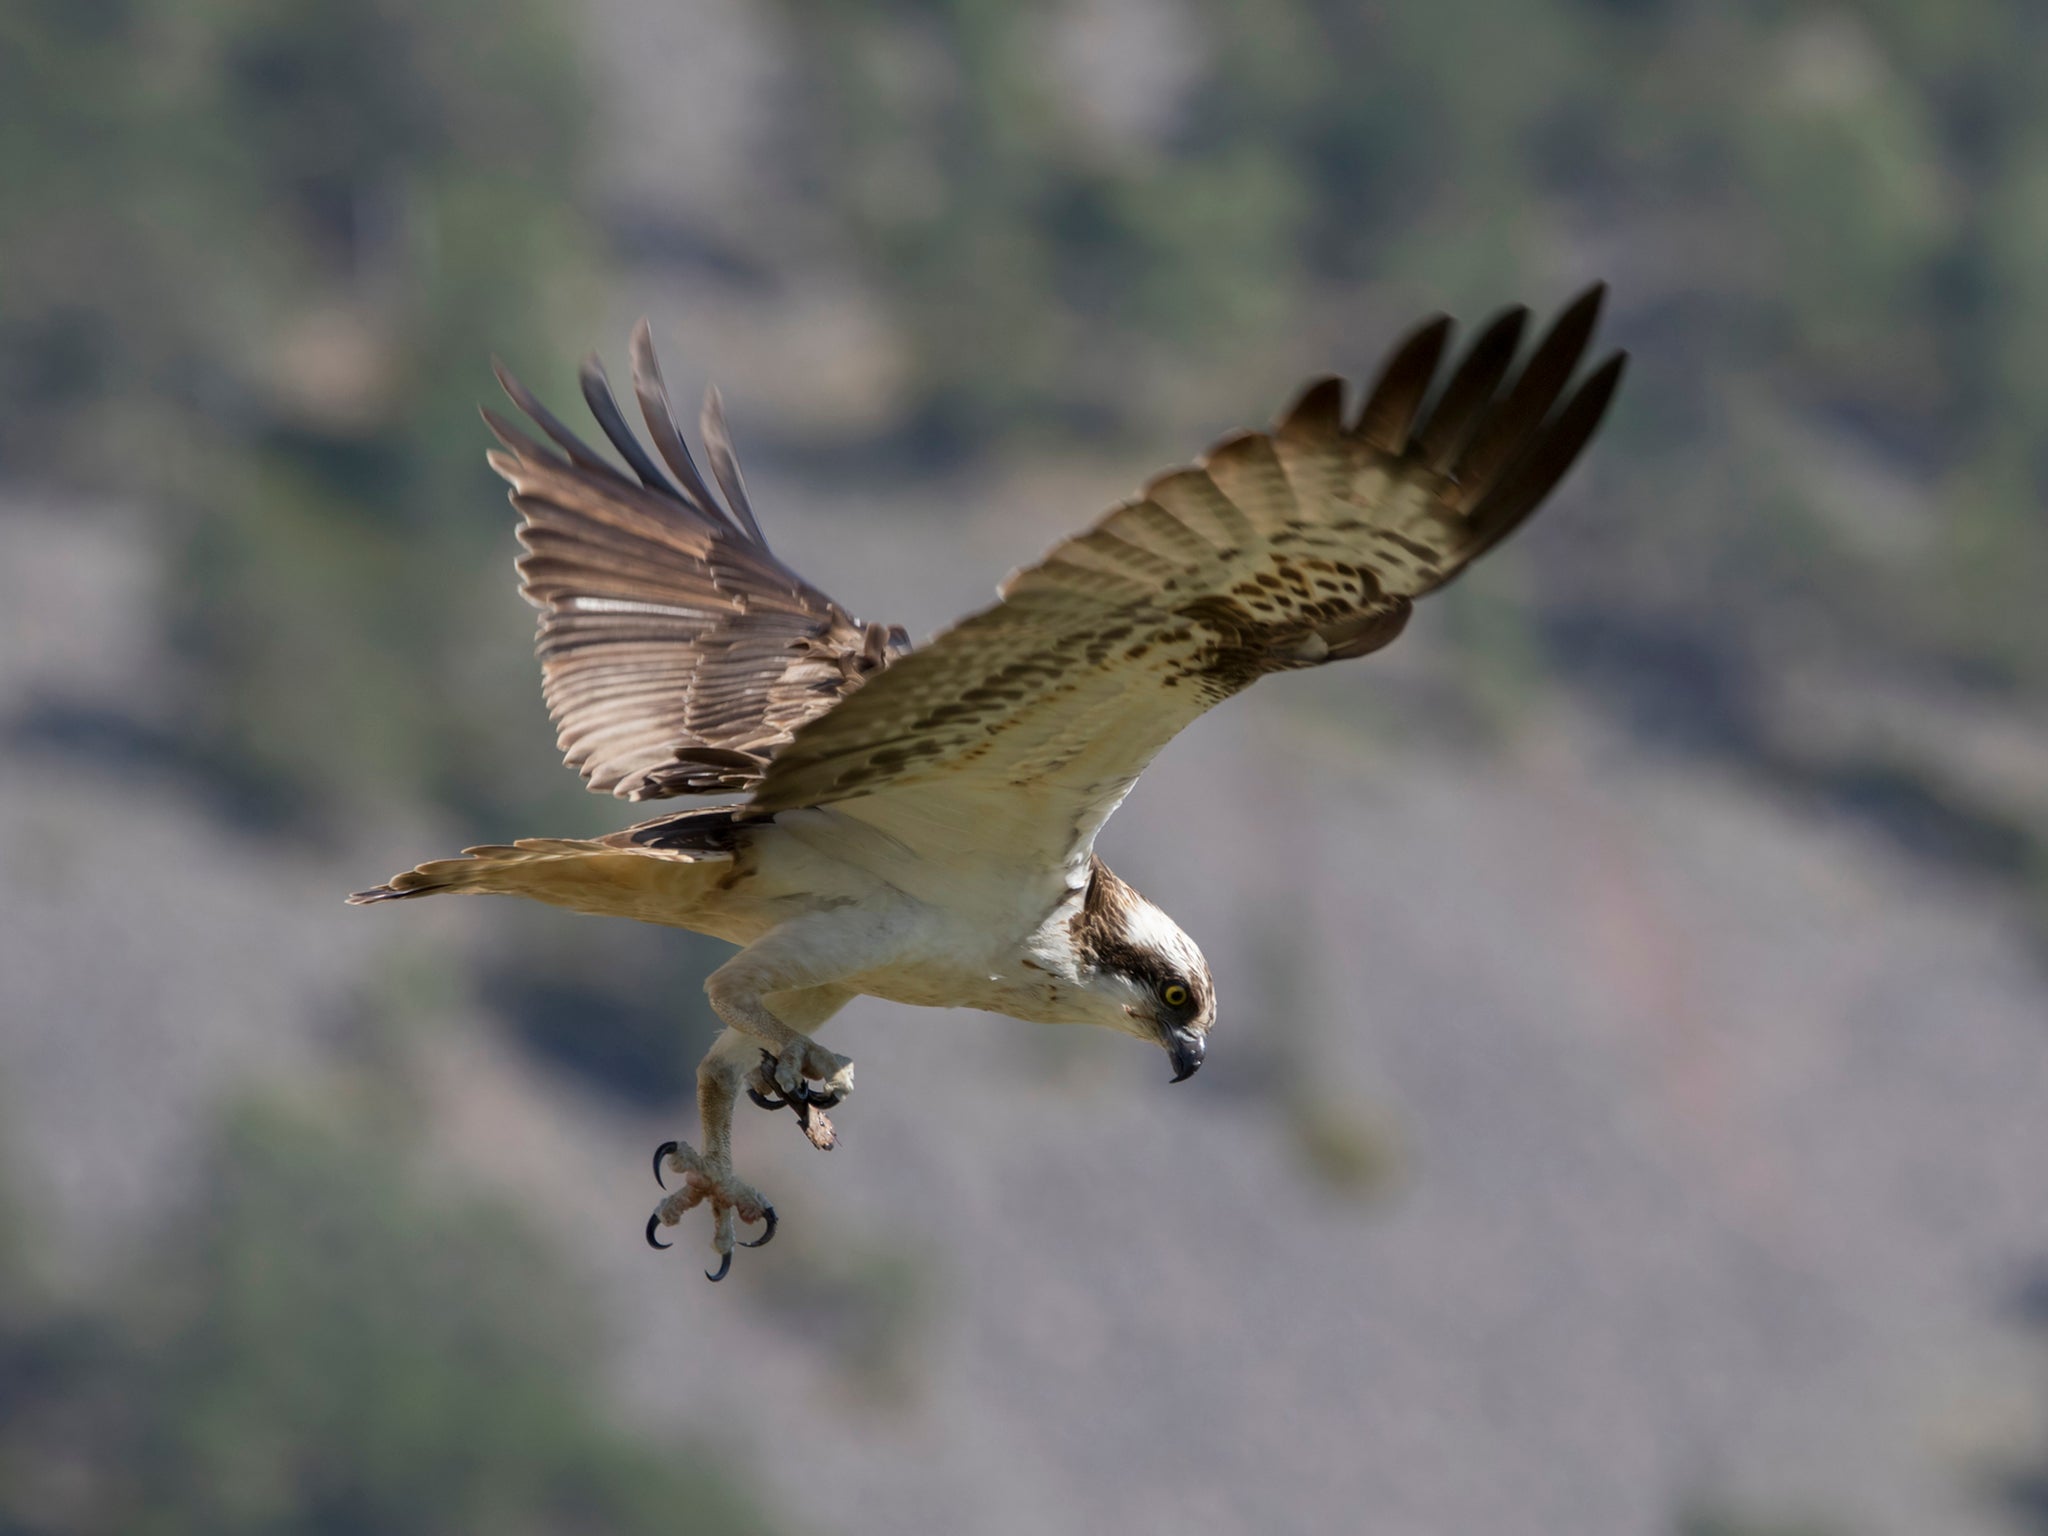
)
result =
(1187, 1049)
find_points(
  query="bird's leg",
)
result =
(708, 1175)
(797, 965)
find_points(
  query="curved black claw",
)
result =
(724, 1264)
(767, 1215)
(653, 1222)
(659, 1153)
(768, 1066)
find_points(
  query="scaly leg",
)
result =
(794, 966)
(708, 1175)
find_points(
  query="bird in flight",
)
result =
(918, 824)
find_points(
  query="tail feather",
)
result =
(638, 873)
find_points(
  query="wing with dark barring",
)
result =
(678, 655)
(1014, 734)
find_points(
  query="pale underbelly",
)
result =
(947, 987)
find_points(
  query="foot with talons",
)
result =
(775, 1084)
(704, 1179)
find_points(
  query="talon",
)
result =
(661, 1152)
(653, 1222)
(724, 1264)
(763, 1100)
(767, 1215)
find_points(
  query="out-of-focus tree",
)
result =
(253, 260)
(1716, 1520)
(1819, 218)
(325, 1346)
(2018, 1486)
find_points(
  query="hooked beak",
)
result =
(1186, 1048)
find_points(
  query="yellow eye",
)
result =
(1174, 995)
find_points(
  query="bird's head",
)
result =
(1140, 973)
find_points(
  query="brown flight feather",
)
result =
(677, 652)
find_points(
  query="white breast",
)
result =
(956, 936)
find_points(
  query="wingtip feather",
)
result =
(725, 464)
(652, 391)
(1318, 409)
(1388, 415)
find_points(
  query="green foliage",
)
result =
(1825, 219)
(259, 282)
(328, 1346)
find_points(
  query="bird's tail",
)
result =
(629, 874)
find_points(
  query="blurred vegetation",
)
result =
(1715, 1520)
(619, 1005)
(2018, 1487)
(1821, 219)
(865, 1302)
(327, 1346)
(254, 259)
(257, 284)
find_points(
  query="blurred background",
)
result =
(1630, 1107)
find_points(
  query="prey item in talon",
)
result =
(818, 1128)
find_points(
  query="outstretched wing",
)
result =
(677, 653)
(1013, 735)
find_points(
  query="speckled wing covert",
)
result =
(676, 652)
(1015, 733)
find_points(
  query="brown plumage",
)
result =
(1105, 931)
(631, 873)
(1285, 549)
(677, 653)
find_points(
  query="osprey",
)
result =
(919, 824)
